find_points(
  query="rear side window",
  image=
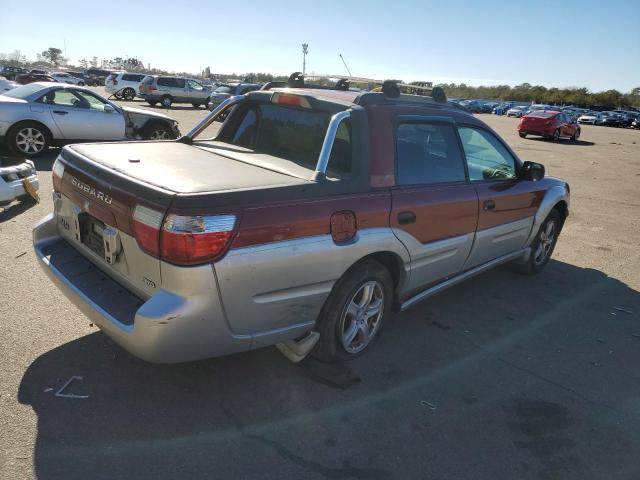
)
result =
(130, 77)
(487, 158)
(428, 153)
(171, 82)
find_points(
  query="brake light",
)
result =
(146, 229)
(188, 240)
(115, 82)
(56, 174)
(290, 100)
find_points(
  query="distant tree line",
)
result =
(536, 93)
(524, 92)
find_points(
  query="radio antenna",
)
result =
(345, 65)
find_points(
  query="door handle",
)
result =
(406, 217)
(60, 112)
(488, 205)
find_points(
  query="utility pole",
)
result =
(305, 50)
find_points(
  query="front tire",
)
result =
(28, 139)
(556, 135)
(543, 245)
(522, 134)
(158, 131)
(352, 317)
(576, 135)
(152, 104)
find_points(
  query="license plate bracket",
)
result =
(91, 233)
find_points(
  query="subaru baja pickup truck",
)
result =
(305, 221)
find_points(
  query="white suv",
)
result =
(124, 85)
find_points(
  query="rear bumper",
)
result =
(12, 189)
(166, 328)
(536, 131)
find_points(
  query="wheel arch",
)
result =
(29, 120)
(392, 262)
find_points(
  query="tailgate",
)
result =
(94, 208)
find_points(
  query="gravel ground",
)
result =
(505, 376)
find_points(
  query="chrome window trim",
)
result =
(208, 120)
(327, 144)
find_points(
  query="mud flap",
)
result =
(297, 350)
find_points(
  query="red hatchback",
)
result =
(549, 124)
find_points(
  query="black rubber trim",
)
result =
(105, 292)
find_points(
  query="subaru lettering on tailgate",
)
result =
(91, 191)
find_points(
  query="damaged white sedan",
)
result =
(36, 116)
(18, 181)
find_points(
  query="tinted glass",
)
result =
(166, 81)
(129, 77)
(428, 153)
(289, 133)
(148, 80)
(487, 158)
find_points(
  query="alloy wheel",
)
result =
(362, 317)
(30, 141)
(545, 244)
(159, 134)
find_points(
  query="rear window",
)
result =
(543, 114)
(24, 91)
(148, 80)
(289, 133)
(112, 76)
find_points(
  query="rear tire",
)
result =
(153, 104)
(166, 101)
(354, 313)
(28, 139)
(196, 105)
(543, 245)
(522, 134)
(129, 94)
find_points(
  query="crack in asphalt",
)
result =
(346, 471)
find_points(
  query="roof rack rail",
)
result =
(390, 88)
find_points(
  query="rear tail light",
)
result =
(146, 228)
(188, 240)
(56, 174)
(115, 82)
(182, 239)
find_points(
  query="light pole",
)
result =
(305, 50)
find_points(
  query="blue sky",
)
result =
(554, 43)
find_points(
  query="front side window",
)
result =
(195, 85)
(487, 158)
(428, 153)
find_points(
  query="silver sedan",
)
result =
(38, 115)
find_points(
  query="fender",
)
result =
(555, 194)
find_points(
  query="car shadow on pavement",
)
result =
(7, 212)
(504, 366)
(575, 143)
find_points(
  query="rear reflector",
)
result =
(146, 228)
(189, 240)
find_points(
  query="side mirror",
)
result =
(532, 171)
(109, 108)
